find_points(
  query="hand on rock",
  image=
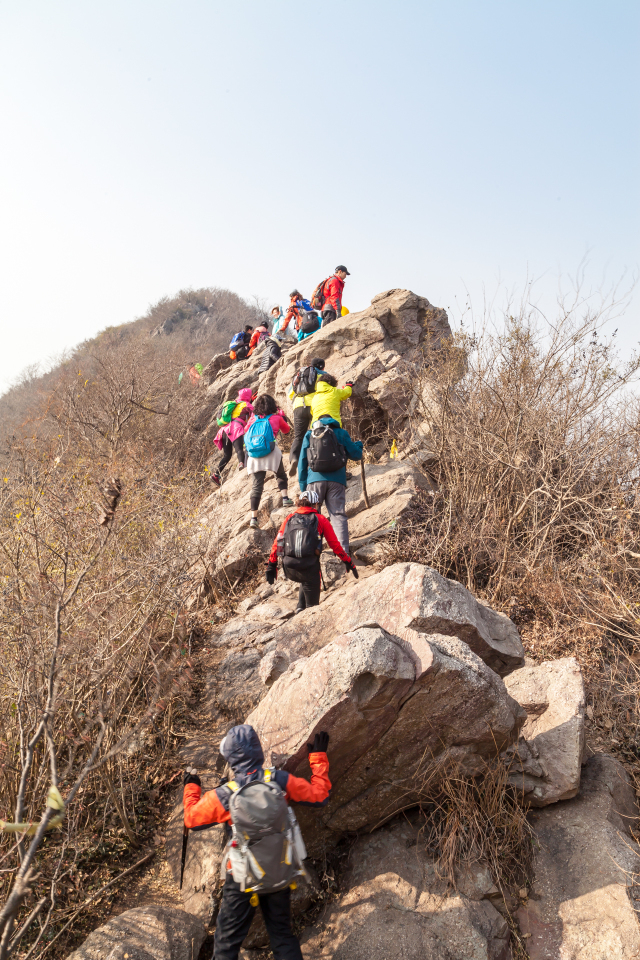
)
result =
(320, 743)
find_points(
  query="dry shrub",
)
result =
(478, 820)
(96, 636)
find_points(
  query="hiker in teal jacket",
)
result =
(331, 487)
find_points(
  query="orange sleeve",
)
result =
(202, 811)
(315, 792)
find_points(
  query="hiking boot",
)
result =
(287, 502)
(253, 523)
(349, 475)
(217, 479)
(293, 468)
(298, 610)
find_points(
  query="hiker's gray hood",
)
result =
(241, 748)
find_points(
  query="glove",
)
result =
(350, 565)
(320, 743)
(349, 383)
(190, 776)
(272, 572)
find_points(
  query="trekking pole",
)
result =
(185, 840)
(364, 483)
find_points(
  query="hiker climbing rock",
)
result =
(272, 353)
(260, 333)
(327, 296)
(299, 544)
(326, 399)
(303, 384)
(239, 346)
(298, 306)
(264, 453)
(323, 467)
(266, 850)
(233, 418)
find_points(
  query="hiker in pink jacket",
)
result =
(229, 437)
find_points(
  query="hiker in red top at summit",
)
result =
(333, 295)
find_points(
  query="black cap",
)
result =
(318, 362)
(341, 266)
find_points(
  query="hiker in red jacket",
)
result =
(299, 543)
(242, 750)
(259, 334)
(332, 291)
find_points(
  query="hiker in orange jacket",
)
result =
(332, 291)
(242, 749)
(300, 546)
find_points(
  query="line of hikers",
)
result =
(302, 319)
(319, 454)
(265, 851)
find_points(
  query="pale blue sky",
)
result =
(149, 145)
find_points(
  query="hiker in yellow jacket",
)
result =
(328, 396)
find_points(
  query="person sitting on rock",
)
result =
(264, 453)
(328, 397)
(301, 419)
(230, 436)
(242, 750)
(299, 543)
(323, 467)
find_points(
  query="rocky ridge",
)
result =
(413, 677)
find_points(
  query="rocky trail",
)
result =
(419, 684)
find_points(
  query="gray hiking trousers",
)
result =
(333, 495)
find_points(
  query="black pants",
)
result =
(309, 593)
(236, 914)
(227, 449)
(328, 316)
(258, 484)
(301, 421)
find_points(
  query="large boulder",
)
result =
(407, 599)
(546, 763)
(587, 860)
(399, 714)
(392, 907)
(153, 932)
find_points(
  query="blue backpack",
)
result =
(259, 439)
(237, 340)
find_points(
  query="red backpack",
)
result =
(318, 299)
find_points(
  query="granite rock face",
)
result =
(548, 759)
(145, 933)
(583, 905)
(391, 907)
(399, 713)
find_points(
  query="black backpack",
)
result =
(311, 322)
(304, 381)
(326, 454)
(301, 537)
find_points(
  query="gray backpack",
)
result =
(266, 848)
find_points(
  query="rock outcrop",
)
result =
(392, 907)
(547, 761)
(145, 933)
(582, 904)
(399, 714)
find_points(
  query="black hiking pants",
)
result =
(309, 593)
(236, 914)
(257, 485)
(328, 316)
(301, 421)
(227, 449)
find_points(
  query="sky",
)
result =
(453, 148)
